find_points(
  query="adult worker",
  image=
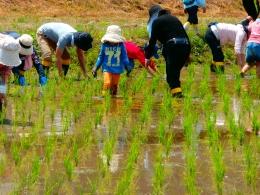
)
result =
(57, 37)
(176, 47)
(220, 34)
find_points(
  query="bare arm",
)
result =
(81, 59)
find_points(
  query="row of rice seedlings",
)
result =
(213, 134)
(251, 164)
(216, 151)
(190, 134)
(138, 136)
(159, 173)
(190, 152)
(165, 137)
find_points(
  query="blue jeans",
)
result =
(252, 52)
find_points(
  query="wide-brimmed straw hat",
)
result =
(113, 34)
(26, 42)
(9, 51)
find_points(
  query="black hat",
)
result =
(164, 12)
(83, 40)
(154, 9)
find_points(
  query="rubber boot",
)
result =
(217, 67)
(177, 92)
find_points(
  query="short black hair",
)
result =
(164, 12)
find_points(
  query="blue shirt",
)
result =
(113, 58)
(60, 33)
(150, 23)
(199, 3)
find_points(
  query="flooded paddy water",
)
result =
(71, 140)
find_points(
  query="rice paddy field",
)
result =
(65, 138)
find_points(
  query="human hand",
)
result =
(21, 81)
(43, 80)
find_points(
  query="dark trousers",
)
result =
(175, 56)
(193, 14)
(214, 45)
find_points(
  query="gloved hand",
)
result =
(43, 80)
(21, 81)
(94, 72)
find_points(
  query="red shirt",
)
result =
(136, 53)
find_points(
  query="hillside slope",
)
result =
(94, 8)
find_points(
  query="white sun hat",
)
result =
(26, 42)
(113, 34)
(9, 51)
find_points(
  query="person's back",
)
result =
(55, 30)
(166, 27)
(254, 28)
(227, 32)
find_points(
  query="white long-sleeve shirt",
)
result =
(231, 34)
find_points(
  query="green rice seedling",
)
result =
(123, 86)
(35, 171)
(139, 82)
(168, 144)
(155, 83)
(238, 84)
(110, 142)
(69, 167)
(226, 101)
(159, 175)
(233, 127)
(218, 164)
(98, 116)
(251, 164)
(3, 163)
(190, 171)
(167, 113)
(255, 121)
(187, 85)
(161, 131)
(126, 110)
(16, 153)
(49, 148)
(207, 102)
(123, 186)
(247, 103)
(221, 84)
(75, 152)
(204, 87)
(107, 102)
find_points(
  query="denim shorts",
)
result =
(252, 52)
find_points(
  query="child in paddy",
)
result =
(191, 8)
(253, 48)
(113, 58)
